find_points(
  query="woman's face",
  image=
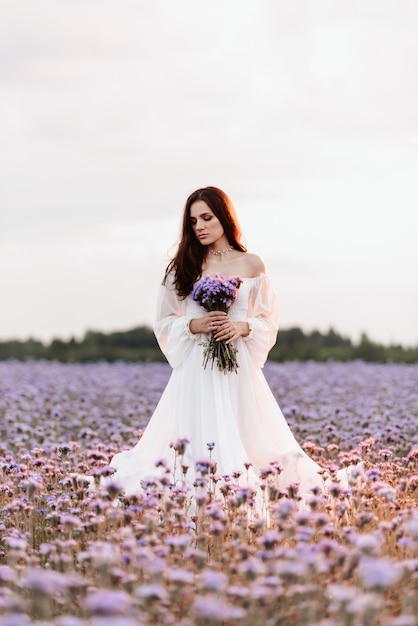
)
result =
(206, 226)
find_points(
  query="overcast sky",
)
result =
(304, 112)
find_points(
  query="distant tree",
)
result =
(368, 351)
(140, 344)
(58, 350)
(333, 339)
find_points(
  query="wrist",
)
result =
(194, 326)
(245, 329)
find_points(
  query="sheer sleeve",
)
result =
(171, 326)
(262, 319)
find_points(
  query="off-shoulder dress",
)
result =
(235, 411)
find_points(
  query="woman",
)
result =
(235, 411)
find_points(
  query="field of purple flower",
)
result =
(70, 556)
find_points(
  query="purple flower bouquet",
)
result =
(217, 293)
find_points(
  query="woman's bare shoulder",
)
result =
(255, 264)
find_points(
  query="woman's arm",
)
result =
(262, 320)
(171, 326)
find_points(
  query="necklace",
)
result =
(219, 252)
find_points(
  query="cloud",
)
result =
(305, 113)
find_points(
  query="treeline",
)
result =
(139, 344)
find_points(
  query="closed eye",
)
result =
(206, 218)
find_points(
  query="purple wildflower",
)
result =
(214, 609)
(179, 445)
(107, 603)
(213, 581)
(378, 573)
(152, 592)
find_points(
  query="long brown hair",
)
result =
(188, 261)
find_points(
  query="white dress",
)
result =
(236, 411)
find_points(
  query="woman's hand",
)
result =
(230, 331)
(218, 323)
(208, 323)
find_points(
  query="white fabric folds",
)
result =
(236, 411)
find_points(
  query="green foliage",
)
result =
(139, 344)
(294, 345)
(369, 351)
(15, 349)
